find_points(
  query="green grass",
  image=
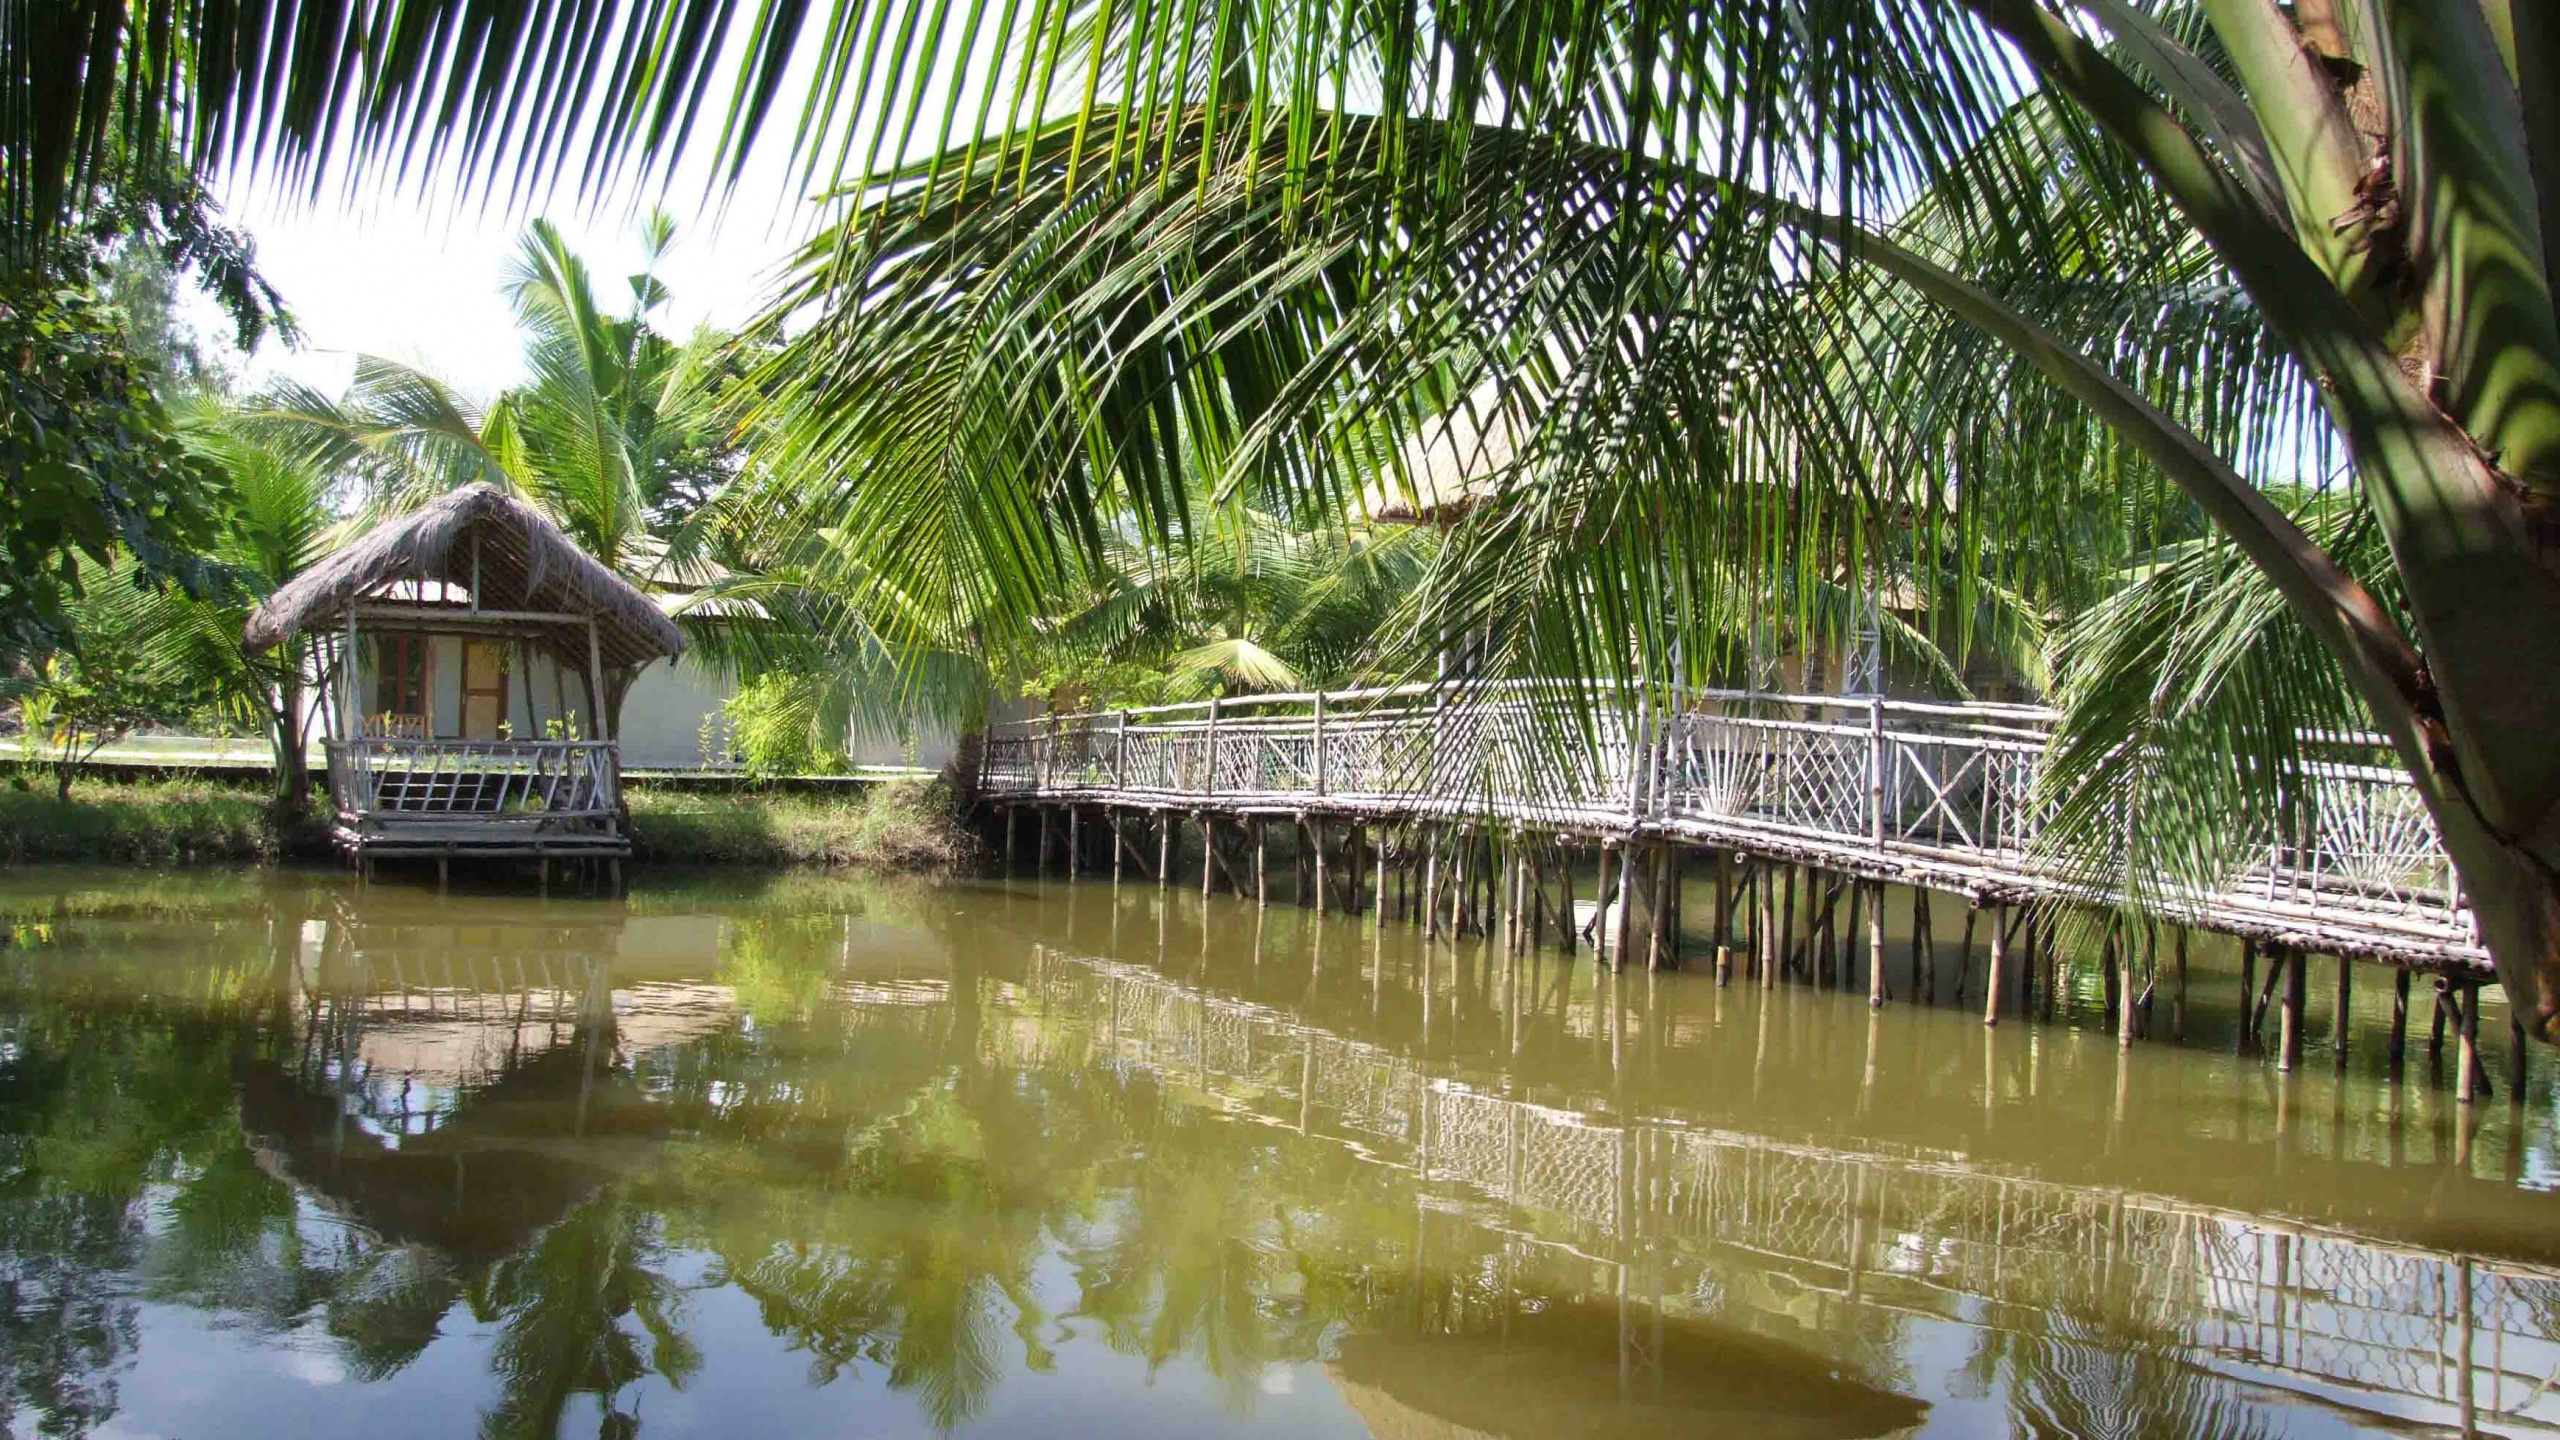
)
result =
(901, 827)
(904, 826)
(141, 822)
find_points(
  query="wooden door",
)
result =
(484, 688)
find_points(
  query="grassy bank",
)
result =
(907, 826)
(141, 822)
(902, 826)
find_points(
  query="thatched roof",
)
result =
(524, 563)
(1451, 466)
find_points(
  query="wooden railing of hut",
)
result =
(1926, 793)
(484, 796)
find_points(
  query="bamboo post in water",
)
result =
(2125, 1004)
(1164, 849)
(1430, 886)
(1261, 863)
(2399, 1021)
(1924, 946)
(1315, 829)
(1075, 821)
(1208, 846)
(1622, 931)
(2339, 1024)
(1991, 971)
(1875, 948)
(2289, 1018)
(2178, 996)
(2248, 1035)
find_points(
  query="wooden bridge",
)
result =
(1940, 796)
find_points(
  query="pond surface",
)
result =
(280, 1155)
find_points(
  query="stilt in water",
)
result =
(2296, 977)
(1991, 973)
(1011, 813)
(1964, 950)
(1724, 917)
(1623, 937)
(1924, 949)
(2178, 996)
(1315, 828)
(1378, 864)
(1430, 887)
(2340, 1023)
(2399, 1022)
(1075, 853)
(1040, 864)
(1660, 908)
(1564, 878)
(1119, 847)
(1208, 851)
(1787, 921)
(2248, 1037)
(2126, 1008)
(1164, 849)
(1261, 863)
(1875, 949)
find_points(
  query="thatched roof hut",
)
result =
(481, 549)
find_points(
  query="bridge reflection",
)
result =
(1816, 1240)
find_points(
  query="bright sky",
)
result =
(419, 281)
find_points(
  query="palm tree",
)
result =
(610, 434)
(1162, 238)
(275, 524)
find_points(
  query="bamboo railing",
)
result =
(392, 795)
(1924, 793)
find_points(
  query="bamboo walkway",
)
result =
(1937, 796)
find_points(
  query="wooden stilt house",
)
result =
(471, 660)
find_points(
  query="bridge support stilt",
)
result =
(2341, 1023)
(1991, 973)
(1875, 949)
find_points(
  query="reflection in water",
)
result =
(284, 1157)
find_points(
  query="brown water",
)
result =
(282, 1156)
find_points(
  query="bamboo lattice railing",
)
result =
(1928, 793)
(442, 794)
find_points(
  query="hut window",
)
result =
(400, 676)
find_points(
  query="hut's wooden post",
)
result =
(1315, 829)
(1622, 930)
(1430, 885)
(1164, 849)
(1208, 848)
(1564, 878)
(2178, 996)
(1378, 878)
(2127, 1005)
(1261, 864)
(1075, 840)
(1999, 952)
(1319, 744)
(2399, 1021)
(2340, 1027)
(1041, 863)
(1875, 948)
(1119, 846)
(1660, 908)
(2295, 992)
(1011, 812)
(2248, 1036)
(1209, 771)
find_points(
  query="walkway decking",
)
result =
(1934, 795)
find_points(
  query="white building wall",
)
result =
(662, 716)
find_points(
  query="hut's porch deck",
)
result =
(488, 797)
